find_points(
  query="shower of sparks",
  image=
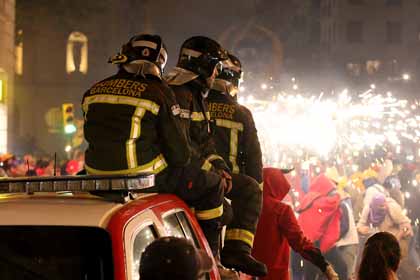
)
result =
(293, 128)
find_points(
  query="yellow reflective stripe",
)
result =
(135, 133)
(199, 116)
(209, 214)
(241, 235)
(155, 166)
(230, 124)
(234, 150)
(122, 100)
(213, 157)
(206, 165)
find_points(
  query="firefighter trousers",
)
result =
(246, 199)
(202, 191)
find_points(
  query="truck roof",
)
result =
(80, 209)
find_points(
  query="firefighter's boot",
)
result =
(237, 255)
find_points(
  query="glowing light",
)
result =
(406, 77)
(70, 128)
(67, 149)
(241, 88)
(264, 86)
(295, 87)
(355, 167)
(372, 86)
(407, 195)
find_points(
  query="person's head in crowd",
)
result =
(173, 258)
(385, 170)
(45, 167)
(377, 210)
(15, 167)
(381, 257)
(70, 167)
(30, 160)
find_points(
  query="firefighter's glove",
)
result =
(227, 181)
(330, 273)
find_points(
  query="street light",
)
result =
(372, 86)
(264, 86)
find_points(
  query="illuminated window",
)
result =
(354, 69)
(77, 53)
(372, 66)
(19, 53)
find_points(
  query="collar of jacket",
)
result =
(179, 76)
(142, 68)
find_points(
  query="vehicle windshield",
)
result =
(55, 252)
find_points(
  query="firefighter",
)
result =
(199, 63)
(234, 128)
(132, 125)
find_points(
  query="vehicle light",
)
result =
(84, 183)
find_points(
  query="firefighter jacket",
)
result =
(132, 125)
(235, 135)
(196, 123)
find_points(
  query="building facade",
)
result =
(61, 51)
(372, 41)
(7, 64)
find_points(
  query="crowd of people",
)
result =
(28, 165)
(338, 214)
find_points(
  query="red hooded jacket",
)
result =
(320, 213)
(278, 228)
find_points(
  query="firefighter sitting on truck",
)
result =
(198, 65)
(132, 125)
(234, 130)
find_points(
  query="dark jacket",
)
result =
(235, 134)
(196, 122)
(132, 125)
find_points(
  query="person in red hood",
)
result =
(278, 229)
(319, 218)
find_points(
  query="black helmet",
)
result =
(142, 48)
(202, 56)
(230, 77)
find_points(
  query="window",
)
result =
(372, 66)
(418, 33)
(393, 32)
(19, 53)
(55, 252)
(143, 239)
(354, 69)
(355, 31)
(77, 53)
(394, 69)
(393, 2)
(177, 225)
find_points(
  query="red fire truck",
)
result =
(86, 227)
